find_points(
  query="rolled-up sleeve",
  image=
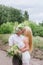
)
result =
(10, 41)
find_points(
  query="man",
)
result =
(16, 39)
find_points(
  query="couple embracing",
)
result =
(23, 38)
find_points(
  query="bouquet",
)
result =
(14, 50)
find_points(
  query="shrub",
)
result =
(36, 29)
(38, 42)
(6, 28)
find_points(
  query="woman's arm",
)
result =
(26, 41)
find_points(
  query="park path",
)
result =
(5, 60)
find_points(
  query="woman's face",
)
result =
(22, 31)
(25, 32)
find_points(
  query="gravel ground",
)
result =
(5, 60)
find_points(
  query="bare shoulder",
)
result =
(25, 38)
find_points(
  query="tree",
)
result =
(26, 16)
(8, 14)
(41, 23)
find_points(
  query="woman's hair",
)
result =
(29, 35)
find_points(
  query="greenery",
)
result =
(10, 18)
(11, 14)
(37, 30)
(4, 38)
(26, 16)
(41, 24)
(9, 27)
(38, 42)
(6, 28)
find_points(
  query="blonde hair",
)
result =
(29, 35)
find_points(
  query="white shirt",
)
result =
(15, 39)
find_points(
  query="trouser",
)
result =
(16, 60)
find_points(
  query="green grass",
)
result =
(38, 42)
(4, 38)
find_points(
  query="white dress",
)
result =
(15, 39)
(25, 56)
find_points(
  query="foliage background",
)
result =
(11, 17)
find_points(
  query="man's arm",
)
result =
(10, 41)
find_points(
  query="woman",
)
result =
(28, 34)
(27, 39)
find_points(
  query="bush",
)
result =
(40, 31)
(6, 28)
(36, 29)
(38, 42)
(9, 27)
(10, 14)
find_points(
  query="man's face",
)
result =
(20, 32)
(23, 30)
